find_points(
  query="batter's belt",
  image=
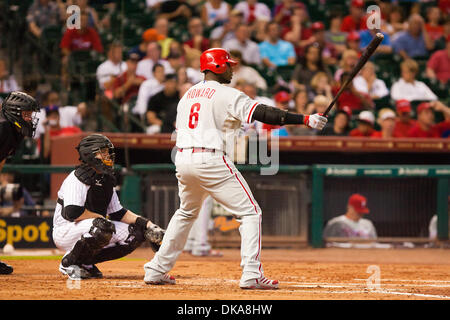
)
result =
(195, 149)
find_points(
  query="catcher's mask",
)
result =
(97, 151)
(20, 109)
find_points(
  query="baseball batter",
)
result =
(208, 115)
(89, 222)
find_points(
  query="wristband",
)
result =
(141, 222)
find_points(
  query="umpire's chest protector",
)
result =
(99, 194)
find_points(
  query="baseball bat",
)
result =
(362, 61)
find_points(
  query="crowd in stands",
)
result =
(140, 56)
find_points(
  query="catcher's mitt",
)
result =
(154, 235)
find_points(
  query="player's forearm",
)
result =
(129, 217)
(132, 218)
(274, 116)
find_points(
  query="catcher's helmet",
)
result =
(215, 60)
(12, 107)
(88, 149)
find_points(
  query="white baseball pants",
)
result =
(199, 175)
(66, 235)
(198, 236)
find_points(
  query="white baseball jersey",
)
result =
(342, 226)
(210, 114)
(67, 233)
(74, 192)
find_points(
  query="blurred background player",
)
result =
(89, 222)
(17, 121)
(352, 224)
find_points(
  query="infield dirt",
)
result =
(324, 274)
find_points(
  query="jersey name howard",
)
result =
(200, 93)
(210, 115)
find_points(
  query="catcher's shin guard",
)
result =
(88, 247)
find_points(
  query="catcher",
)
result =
(89, 222)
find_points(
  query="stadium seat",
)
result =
(285, 72)
(107, 38)
(82, 75)
(384, 102)
(269, 75)
(179, 32)
(131, 35)
(132, 6)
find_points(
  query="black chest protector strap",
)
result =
(85, 174)
(100, 194)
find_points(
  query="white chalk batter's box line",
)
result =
(360, 288)
(407, 280)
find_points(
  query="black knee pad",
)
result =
(87, 248)
(133, 241)
(102, 231)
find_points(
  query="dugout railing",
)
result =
(299, 200)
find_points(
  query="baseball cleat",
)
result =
(262, 283)
(5, 269)
(160, 279)
(75, 272)
(93, 271)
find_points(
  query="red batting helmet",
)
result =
(215, 60)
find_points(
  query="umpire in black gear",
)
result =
(89, 222)
(17, 120)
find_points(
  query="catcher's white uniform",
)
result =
(208, 117)
(67, 233)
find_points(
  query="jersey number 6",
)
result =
(193, 116)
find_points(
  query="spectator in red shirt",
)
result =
(85, 38)
(351, 97)
(297, 32)
(434, 28)
(366, 121)
(425, 127)
(284, 11)
(438, 67)
(356, 20)
(386, 120)
(404, 122)
(197, 40)
(126, 86)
